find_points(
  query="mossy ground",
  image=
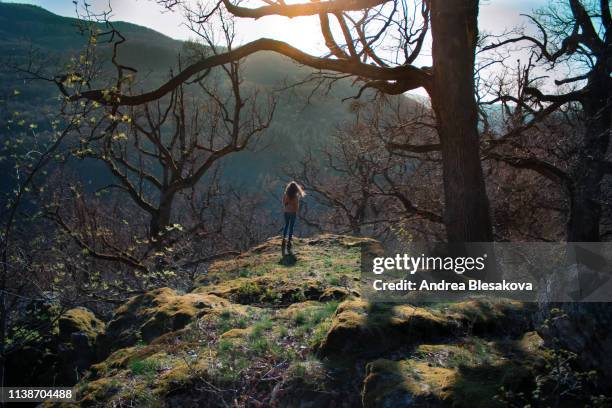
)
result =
(248, 319)
(253, 332)
(468, 373)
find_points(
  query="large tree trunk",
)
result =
(587, 175)
(454, 32)
(161, 219)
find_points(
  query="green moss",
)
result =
(147, 367)
(320, 257)
(402, 383)
(395, 383)
(358, 326)
(79, 320)
(473, 351)
(487, 315)
(149, 316)
(468, 373)
(97, 392)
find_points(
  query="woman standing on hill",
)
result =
(291, 205)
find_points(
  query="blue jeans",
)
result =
(289, 223)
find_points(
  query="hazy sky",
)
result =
(301, 32)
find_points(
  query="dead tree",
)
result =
(573, 38)
(369, 183)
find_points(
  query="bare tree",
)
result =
(368, 183)
(164, 156)
(572, 37)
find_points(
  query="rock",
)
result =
(502, 317)
(391, 384)
(469, 373)
(148, 316)
(361, 327)
(79, 329)
(79, 320)
(63, 357)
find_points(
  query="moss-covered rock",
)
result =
(142, 376)
(148, 316)
(79, 330)
(79, 320)
(420, 384)
(470, 374)
(406, 384)
(268, 290)
(362, 327)
(359, 326)
(62, 356)
(487, 316)
(254, 331)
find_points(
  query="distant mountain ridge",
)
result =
(57, 32)
(298, 124)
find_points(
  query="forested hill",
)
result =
(300, 122)
(45, 29)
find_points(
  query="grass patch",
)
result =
(314, 322)
(260, 345)
(260, 327)
(145, 368)
(315, 315)
(228, 321)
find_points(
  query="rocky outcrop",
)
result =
(406, 384)
(79, 329)
(63, 356)
(472, 373)
(360, 327)
(256, 332)
(148, 316)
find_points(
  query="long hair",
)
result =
(293, 190)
